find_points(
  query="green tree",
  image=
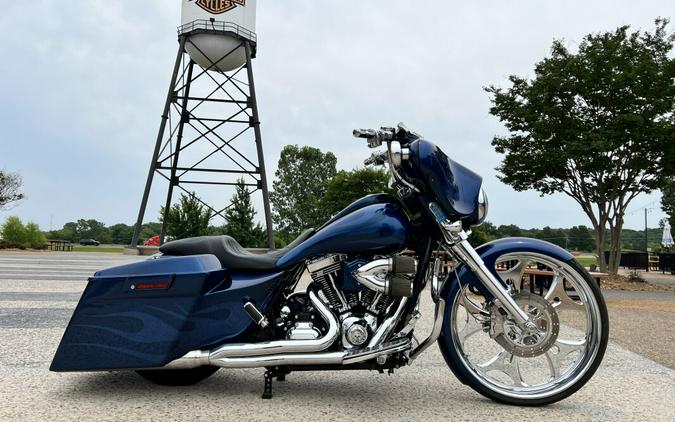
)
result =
(348, 186)
(239, 219)
(300, 183)
(187, 218)
(510, 230)
(34, 237)
(13, 231)
(121, 234)
(68, 232)
(92, 229)
(594, 125)
(481, 234)
(555, 236)
(668, 199)
(580, 238)
(10, 186)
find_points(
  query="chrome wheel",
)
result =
(501, 361)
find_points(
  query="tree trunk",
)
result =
(600, 246)
(615, 246)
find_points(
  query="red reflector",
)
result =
(151, 286)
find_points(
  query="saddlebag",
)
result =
(146, 314)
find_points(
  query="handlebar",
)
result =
(376, 158)
(375, 137)
(364, 133)
(398, 151)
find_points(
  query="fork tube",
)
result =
(467, 254)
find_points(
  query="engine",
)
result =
(359, 292)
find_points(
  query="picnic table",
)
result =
(534, 272)
(60, 245)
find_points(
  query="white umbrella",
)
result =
(667, 240)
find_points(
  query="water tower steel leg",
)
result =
(158, 143)
(259, 147)
(184, 116)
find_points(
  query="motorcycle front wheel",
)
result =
(487, 351)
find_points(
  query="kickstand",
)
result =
(267, 392)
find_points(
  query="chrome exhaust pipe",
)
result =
(200, 358)
(285, 346)
(223, 355)
(290, 352)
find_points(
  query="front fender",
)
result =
(491, 251)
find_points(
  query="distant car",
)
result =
(89, 242)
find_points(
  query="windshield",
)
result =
(454, 186)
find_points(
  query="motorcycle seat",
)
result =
(229, 252)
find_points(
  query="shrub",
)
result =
(34, 237)
(13, 231)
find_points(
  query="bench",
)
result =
(60, 245)
(597, 276)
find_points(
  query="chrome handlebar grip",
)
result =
(364, 133)
(376, 158)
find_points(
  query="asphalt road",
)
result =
(39, 291)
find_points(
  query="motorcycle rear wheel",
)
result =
(561, 366)
(178, 377)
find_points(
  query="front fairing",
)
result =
(454, 187)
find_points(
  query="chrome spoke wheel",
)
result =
(516, 366)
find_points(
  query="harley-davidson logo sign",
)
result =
(219, 6)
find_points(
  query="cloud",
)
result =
(85, 83)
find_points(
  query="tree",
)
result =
(187, 218)
(239, 219)
(668, 199)
(10, 185)
(348, 186)
(300, 183)
(481, 234)
(121, 234)
(92, 229)
(13, 232)
(580, 238)
(510, 230)
(594, 125)
(68, 232)
(555, 236)
(34, 237)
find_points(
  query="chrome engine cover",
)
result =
(356, 330)
(303, 331)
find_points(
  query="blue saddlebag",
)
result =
(145, 314)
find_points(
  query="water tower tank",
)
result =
(215, 28)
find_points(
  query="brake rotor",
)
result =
(518, 342)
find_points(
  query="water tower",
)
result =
(209, 135)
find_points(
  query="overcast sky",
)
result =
(83, 85)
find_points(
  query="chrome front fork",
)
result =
(457, 241)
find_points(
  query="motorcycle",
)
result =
(516, 319)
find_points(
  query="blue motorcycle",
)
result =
(518, 320)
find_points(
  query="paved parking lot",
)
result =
(38, 292)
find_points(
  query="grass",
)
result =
(587, 261)
(106, 249)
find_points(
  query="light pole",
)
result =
(646, 243)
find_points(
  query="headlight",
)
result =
(482, 206)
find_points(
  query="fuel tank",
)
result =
(375, 224)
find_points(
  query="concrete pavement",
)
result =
(37, 299)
